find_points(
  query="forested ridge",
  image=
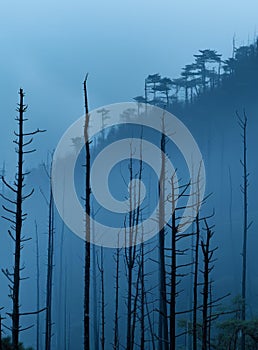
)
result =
(196, 290)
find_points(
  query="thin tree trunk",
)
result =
(116, 334)
(210, 318)
(18, 228)
(60, 290)
(38, 286)
(173, 275)
(94, 298)
(135, 306)
(65, 310)
(17, 219)
(1, 347)
(48, 334)
(195, 286)
(244, 188)
(163, 325)
(102, 301)
(134, 217)
(142, 298)
(87, 240)
(206, 258)
(130, 260)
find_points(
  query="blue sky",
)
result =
(48, 46)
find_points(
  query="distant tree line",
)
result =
(207, 73)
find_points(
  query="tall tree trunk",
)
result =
(195, 285)
(207, 258)
(94, 298)
(142, 345)
(48, 331)
(244, 189)
(65, 310)
(102, 300)
(163, 323)
(38, 286)
(1, 347)
(60, 290)
(210, 317)
(130, 264)
(116, 334)
(87, 236)
(17, 219)
(172, 317)
(18, 228)
(134, 217)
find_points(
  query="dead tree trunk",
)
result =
(131, 251)
(172, 317)
(65, 310)
(206, 305)
(142, 346)
(17, 218)
(87, 236)
(1, 347)
(38, 286)
(50, 264)
(60, 290)
(163, 323)
(116, 334)
(101, 270)
(195, 285)
(130, 254)
(173, 275)
(244, 189)
(94, 298)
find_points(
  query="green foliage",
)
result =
(229, 335)
(229, 331)
(7, 345)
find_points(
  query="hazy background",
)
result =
(48, 46)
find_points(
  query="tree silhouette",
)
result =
(50, 266)
(16, 217)
(88, 230)
(246, 224)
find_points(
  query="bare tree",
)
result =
(38, 287)
(207, 259)
(246, 225)
(174, 276)
(50, 265)
(195, 282)
(17, 218)
(88, 230)
(116, 330)
(130, 258)
(131, 252)
(101, 270)
(163, 322)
